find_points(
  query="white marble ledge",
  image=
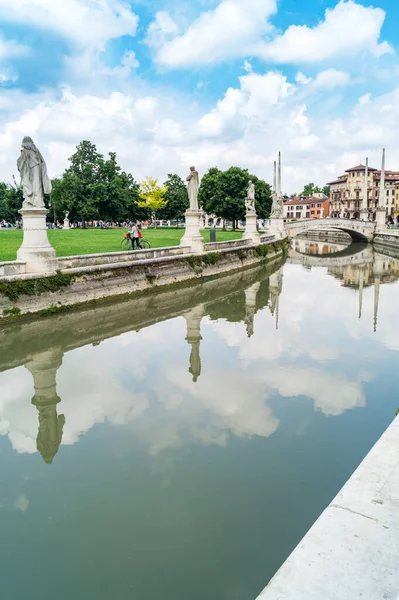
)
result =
(352, 551)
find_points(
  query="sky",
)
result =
(169, 83)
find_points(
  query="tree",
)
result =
(152, 196)
(176, 197)
(311, 189)
(11, 200)
(326, 190)
(223, 194)
(96, 188)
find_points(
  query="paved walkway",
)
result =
(352, 551)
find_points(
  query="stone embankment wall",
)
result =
(387, 242)
(90, 278)
(327, 236)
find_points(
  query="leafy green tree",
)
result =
(223, 194)
(326, 190)
(96, 188)
(311, 189)
(176, 197)
(10, 201)
(152, 196)
(3, 207)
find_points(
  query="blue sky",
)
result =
(210, 82)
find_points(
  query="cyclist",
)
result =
(135, 236)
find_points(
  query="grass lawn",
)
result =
(92, 241)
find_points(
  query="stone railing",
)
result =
(216, 246)
(92, 260)
(15, 267)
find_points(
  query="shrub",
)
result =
(13, 311)
(34, 287)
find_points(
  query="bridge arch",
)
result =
(359, 231)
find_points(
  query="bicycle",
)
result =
(127, 243)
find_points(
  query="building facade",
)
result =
(346, 192)
(307, 207)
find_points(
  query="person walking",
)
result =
(135, 236)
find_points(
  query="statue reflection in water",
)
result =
(193, 320)
(44, 367)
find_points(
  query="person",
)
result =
(134, 236)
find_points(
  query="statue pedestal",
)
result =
(364, 215)
(277, 227)
(251, 232)
(36, 251)
(380, 218)
(192, 236)
(67, 224)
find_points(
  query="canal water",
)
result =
(180, 445)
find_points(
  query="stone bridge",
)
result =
(333, 260)
(358, 230)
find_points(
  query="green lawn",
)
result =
(92, 241)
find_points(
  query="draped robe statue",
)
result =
(34, 179)
(192, 188)
(250, 199)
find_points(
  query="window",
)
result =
(319, 206)
(307, 215)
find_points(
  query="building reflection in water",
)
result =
(43, 368)
(356, 265)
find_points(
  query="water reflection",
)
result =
(358, 266)
(43, 368)
(277, 353)
(179, 427)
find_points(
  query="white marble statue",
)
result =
(250, 199)
(342, 213)
(192, 188)
(34, 179)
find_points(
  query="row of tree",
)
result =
(94, 187)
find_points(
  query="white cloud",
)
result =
(162, 29)
(11, 49)
(156, 132)
(257, 96)
(348, 28)
(331, 78)
(302, 79)
(225, 32)
(237, 28)
(85, 21)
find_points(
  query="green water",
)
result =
(180, 445)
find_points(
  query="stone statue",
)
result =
(34, 179)
(250, 199)
(192, 188)
(277, 206)
(342, 213)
